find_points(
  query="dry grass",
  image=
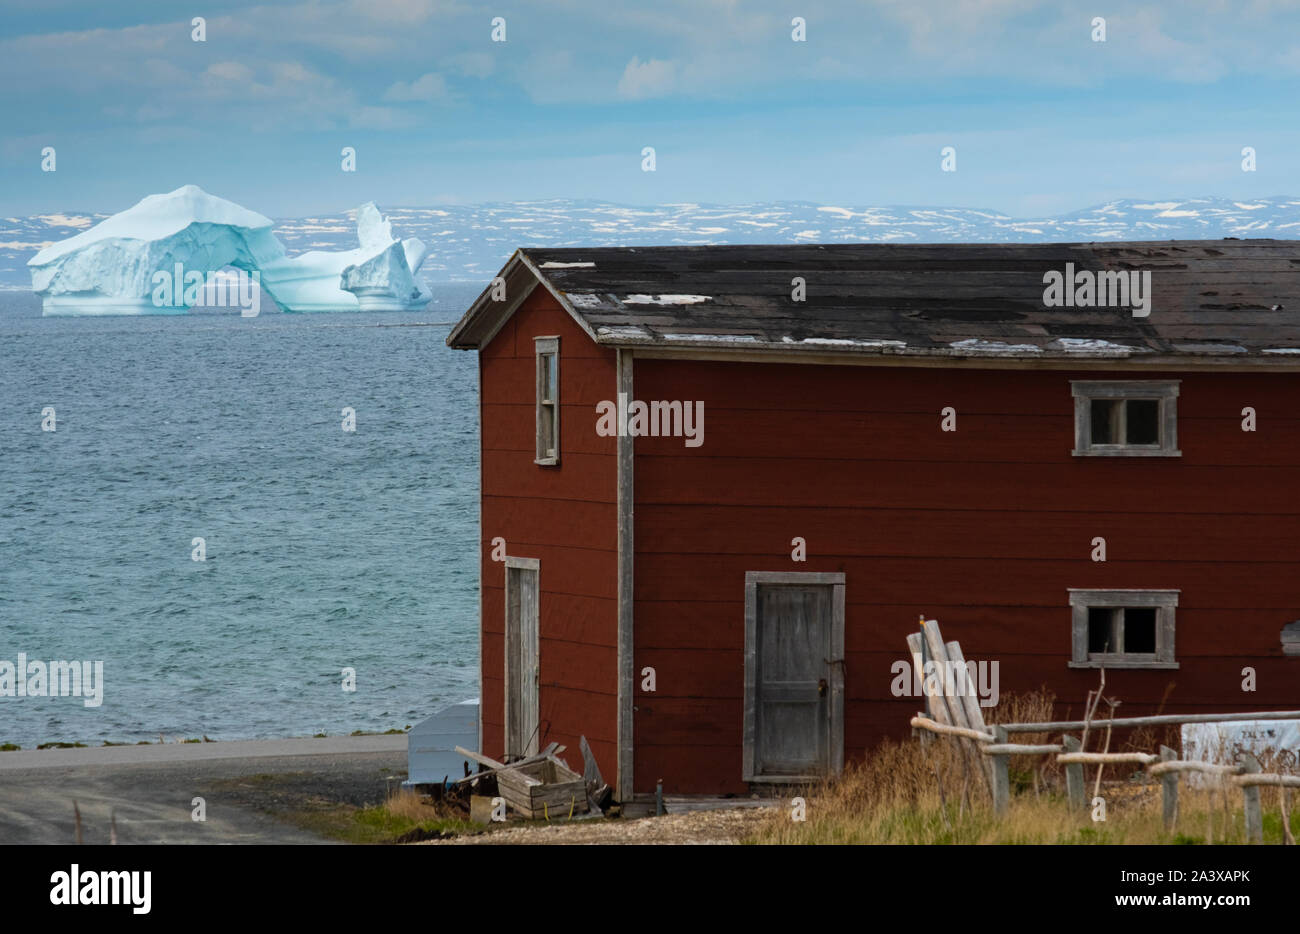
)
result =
(920, 791)
(403, 818)
(405, 804)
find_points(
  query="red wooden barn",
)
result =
(720, 484)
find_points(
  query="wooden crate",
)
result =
(543, 788)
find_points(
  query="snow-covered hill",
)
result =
(470, 242)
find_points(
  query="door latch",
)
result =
(821, 688)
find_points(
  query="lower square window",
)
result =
(1123, 628)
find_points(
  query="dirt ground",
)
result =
(695, 827)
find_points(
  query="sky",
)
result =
(1043, 118)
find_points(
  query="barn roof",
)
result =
(1211, 301)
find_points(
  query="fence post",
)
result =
(1169, 787)
(1250, 793)
(1073, 775)
(1001, 780)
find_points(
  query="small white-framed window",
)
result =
(1122, 628)
(548, 400)
(1125, 418)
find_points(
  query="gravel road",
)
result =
(149, 789)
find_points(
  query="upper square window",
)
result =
(1132, 418)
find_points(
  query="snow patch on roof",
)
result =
(583, 299)
(640, 299)
(625, 331)
(723, 338)
(1092, 345)
(1281, 350)
(567, 266)
(844, 342)
(978, 345)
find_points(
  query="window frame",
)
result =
(1164, 602)
(1162, 391)
(542, 348)
(513, 639)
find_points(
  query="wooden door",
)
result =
(794, 675)
(521, 675)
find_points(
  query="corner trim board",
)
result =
(626, 556)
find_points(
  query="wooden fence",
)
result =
(960, 717)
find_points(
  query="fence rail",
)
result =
(1174, 719)
(1166, 766)
(956, 715)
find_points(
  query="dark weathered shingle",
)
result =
(1210, 300)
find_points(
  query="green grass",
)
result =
(375, 825)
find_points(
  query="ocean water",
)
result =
(324, 549)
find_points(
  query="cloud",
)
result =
(236, 72)
(379, 118)
(429, 88)
(472, 64)
(402, 11)
(653, 78)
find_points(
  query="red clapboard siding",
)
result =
(582, 384)
(689, 770)
(991, 438)
(564, 516)
(682, 627)
(510, 427)
(1128, 484)
(585, 526)
(579, 666)
(977, 580)
(832, 532)
(573, 713)
(576, 571)
(926, 390)
(984, 529)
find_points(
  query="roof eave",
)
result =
(486, 316)
(936, 355)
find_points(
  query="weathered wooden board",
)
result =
(543, 788)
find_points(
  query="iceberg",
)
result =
(124, 264)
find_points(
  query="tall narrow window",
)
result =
(548, 400)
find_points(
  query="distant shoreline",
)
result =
(161, 753)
